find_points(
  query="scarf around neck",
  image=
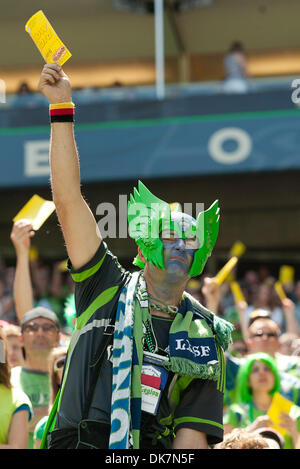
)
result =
(195, 338)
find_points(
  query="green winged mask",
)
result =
(149, 216)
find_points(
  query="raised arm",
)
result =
(23, 295)
(291, 323)
(212, 294)
(78, 224)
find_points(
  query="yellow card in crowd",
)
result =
(286, 274)
(279, 404)
(280, 291)
(37, 210)
(238, 249)
(223, 273)
(237, 292)
(63, 266)
(46, 39)
(33, 253)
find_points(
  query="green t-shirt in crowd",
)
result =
(36, 385)
(11, 401)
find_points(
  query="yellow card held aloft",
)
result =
(37, 210)
(223, 273)
(279, 404)
(237, 292)
(63, 266)
(33, 253)
(286, 274)
(280, 291)
(238, 249)
(47, 41)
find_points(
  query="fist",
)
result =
(20, 235)
(54, 84)
(260, 422)
(288, 306)
(211, 288)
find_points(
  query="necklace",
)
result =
(150, 338)
(161, 306)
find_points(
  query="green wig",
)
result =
(243, 388)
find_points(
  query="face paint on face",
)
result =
(176, 257)
(180, 243)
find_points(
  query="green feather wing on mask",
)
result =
(207, 233)
(145, 212)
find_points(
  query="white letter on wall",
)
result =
(36, 158)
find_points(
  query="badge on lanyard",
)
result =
(153, 379)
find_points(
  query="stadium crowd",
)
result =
(37, 317)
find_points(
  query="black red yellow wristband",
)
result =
(62, 112)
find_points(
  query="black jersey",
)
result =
(98, 284)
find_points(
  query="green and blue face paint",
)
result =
(157, 229)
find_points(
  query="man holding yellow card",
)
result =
(172, 347)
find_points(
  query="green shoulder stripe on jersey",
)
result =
(81, 276)
(221, 380)
(197, 420)
(101, 300)
(50, 422)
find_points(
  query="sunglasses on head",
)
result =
(34, 327)
(59, 363)
(267, 334)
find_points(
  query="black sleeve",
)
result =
(201, 408)
(97, 280)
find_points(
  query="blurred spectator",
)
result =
(261, 334)
(41, 287)
(116, 84)
(26, 98)
(24, 88)
(49, 289)
(56, 366)
(238, 348)
(286, 342)
(242, 439)
(258, 380)
(40, 334)
(236, 70)
(15, 353)
(15, 407)
(297, 300)
(267, 298)
(6, 303)
(264, 335)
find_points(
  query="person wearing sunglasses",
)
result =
(56, 367)
(39, 335)
(263, 336)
